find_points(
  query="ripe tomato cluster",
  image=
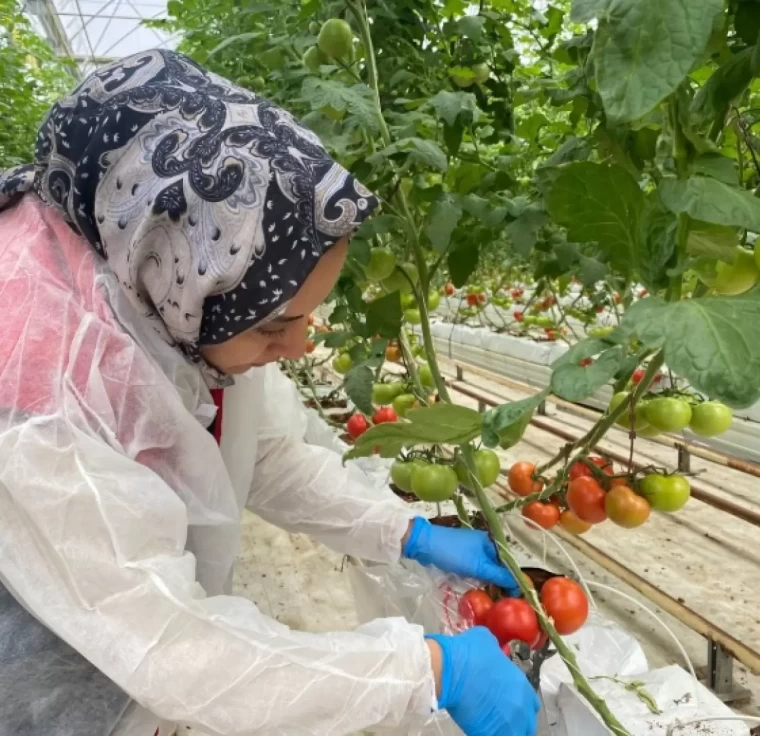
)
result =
(513, 619)
(591, 497)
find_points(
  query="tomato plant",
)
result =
(566, 603)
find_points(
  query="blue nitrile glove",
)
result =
(465, 552)
(482, 689)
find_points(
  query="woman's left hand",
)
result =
(464, 552)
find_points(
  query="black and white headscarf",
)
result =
(211, 205)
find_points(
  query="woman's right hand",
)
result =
(481, 688)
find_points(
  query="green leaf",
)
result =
(359, 249)
(339, 314)
(384, 315)
(440, 424)
(500, 419)
(442, 219)
(358, 385)
(356, 99)
(575, 382)
(602, 204)
(747, 21)
(591, 270)
(239, 38)
(712, 201)
(713, 342)
(379, 225)
(659, 235)
(726, 84)
(522, 231)
(471, 26)
(718, 167)
(462, 262)
(587, 348)
(482, 209)
(645, 48)
(712, 241)
(419, 150)
(334, 339)
(585, 10)
(451, 105)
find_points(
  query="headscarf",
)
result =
(210, 204)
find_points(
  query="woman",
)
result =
(176, 231)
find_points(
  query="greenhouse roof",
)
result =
(95, 32)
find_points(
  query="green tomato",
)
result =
(462, 80)
(434, 483)
(487, 465)
(737, 277)
(710, 418)
(314, 28)
(381, 264)
(530, 320)
(668, 414)
(403, 403)
(336, 39)
(426, 376)
(408, 301)
(648, 432)
(482, 72)
(384, 393)
(599, 332)
(401, 474)
(412, 316)
(640, 420)
(342, 364)
(545, 322)
(398, 282)
(313, 58)
(665, 492)
(434, 300)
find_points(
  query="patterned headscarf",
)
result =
(211, 205)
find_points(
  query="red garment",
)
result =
(217, 394)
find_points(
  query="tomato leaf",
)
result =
(587, 348)
(501, 419)
(658, 245)
(585, 10)
(712, 241)
(575, 382)
(358, 385)
(602, 204)
(726, 84)
(419, 150)
(644, 49)
(450, 106)
(334, 339)
(462, 262)
(441, 220)
(522, 231)
(712, 201)
(356, 99)
(445, 424)
(713, 342)
(384, 315)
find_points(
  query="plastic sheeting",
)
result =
(119, 521)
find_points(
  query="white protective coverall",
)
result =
(120, 520)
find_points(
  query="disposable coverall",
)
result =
(117, 511)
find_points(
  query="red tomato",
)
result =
(543, 637)
(516, 293)
(519, 316)
(474, 607)
(513, 618)
(482, 298)
(356, 426)
(546, 515)
(449, 289)
(386, 414)
(472, 299)
(310, 346)
(643, 293)
(637, 376)
(566, 603)
(585, 362)
(586, 498)
(521, 479)
(551, 334)
(507, 650)
(579, 469)
(393, 353)
(599, 309)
